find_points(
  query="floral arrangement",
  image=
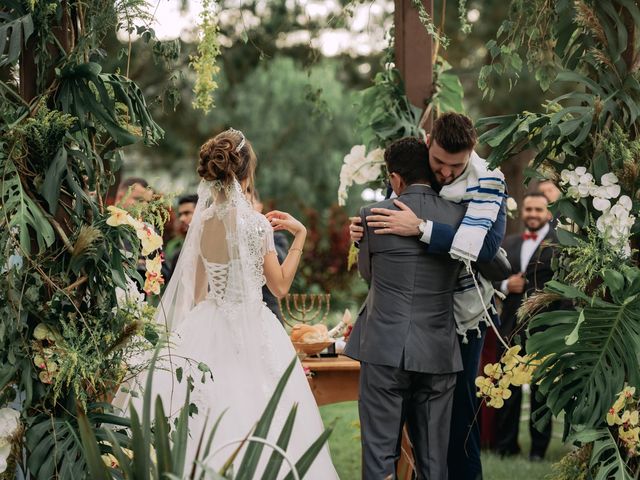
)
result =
(150, 242)
(360, 168)
(512, 369)
(10, 431)
(624, 417)
(616, 221)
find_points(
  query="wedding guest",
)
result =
(186, 207)
(449, 163)
(405, 336)
(530, 254)
(131, 191)
(550, 190)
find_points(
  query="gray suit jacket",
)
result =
(407, 320)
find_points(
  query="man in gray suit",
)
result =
(405, 336)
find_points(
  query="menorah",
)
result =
(306, 308)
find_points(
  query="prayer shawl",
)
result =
(483, 191)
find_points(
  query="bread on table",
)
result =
(301, 333)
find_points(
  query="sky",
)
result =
(363, 35)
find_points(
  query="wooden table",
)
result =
(336, 379)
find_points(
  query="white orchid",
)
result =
(608, 179)
(615, 225)
(359, 168)
(9, 427)
(131, 295)
(512, 205)
(601, 204)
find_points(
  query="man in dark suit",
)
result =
(530, 255)
(405, 336)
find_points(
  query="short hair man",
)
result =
(451, 145)
(405, 336)
(186, 208)
(131, 191)
(531, 254)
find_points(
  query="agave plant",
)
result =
(158, 452)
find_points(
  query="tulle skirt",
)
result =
(247, 350)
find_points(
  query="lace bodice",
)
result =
(241, 278)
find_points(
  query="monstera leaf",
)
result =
(18, 210)
(589, 353)
(112, 100)
(56, 448)
(17, 30)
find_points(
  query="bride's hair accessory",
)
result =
(243, 140)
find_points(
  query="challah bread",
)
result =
(301, 333)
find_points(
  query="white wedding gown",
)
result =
(233, 332)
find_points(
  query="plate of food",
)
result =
(310, 339)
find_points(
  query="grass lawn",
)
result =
(345, 449)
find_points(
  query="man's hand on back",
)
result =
(401, 222)
(356, 230)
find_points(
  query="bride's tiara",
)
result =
(242, 139)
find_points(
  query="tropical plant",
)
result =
(587, 141)
(158, 452)
(69, 324)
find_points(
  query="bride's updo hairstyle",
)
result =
(226, 156)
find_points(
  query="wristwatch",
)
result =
(421, 226)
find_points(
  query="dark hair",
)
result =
(409, 158)
(131, 181)
(535, 194)
(191, 198)
(221, 160)
(454, 132)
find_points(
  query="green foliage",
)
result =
(427, 23)
(55, 442)
(447, 90)
(573, 466)
(65, 337)
(606, 462)
(384, 111)
(18, 30)
(170, 447)
(582, 377)
(205, 63)
(583, 264)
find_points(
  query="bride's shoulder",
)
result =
(259, 220)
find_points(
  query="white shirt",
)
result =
(527, 250)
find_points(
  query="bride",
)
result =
(214, 310)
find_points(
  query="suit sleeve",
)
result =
(364, 257)
(442, 237)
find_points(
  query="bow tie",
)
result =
(529, 236)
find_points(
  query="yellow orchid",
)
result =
(493, 370)
(620, 403)
(628, 392)
(110, 460)
(630, 417)
(154, 265)
(613, 418)
(153, 283)
(630, 437)
(118, 217)
(46, 377)
(150, 240)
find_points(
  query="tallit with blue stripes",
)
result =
(483, 191)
